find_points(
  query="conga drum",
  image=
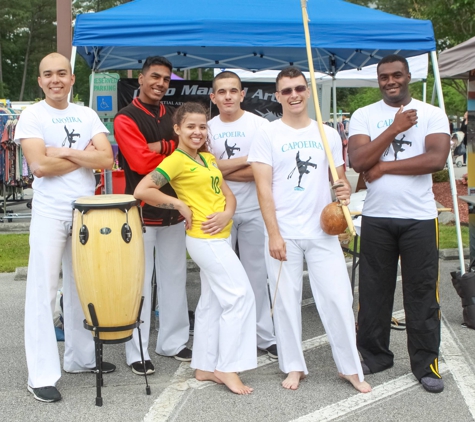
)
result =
(108, 261)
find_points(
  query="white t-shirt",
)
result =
(233, 140)
(72, 127)
(300, 183)
(396, 196)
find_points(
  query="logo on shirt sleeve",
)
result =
(229, 150)
(397, 145)
(302, 167)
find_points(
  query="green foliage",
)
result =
(453, 20)
(440, 176)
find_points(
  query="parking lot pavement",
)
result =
(176, 396)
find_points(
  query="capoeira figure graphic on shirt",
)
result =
(397, 146)
(70, 137)
(302, 168)
(229, 150)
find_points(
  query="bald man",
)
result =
(62, 143)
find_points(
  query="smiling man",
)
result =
(144, 133)
(293, 188)
(62, 143)
(231, 136)
(397, 143)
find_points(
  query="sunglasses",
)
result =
(298, 89)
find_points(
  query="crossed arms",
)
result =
(52, 161)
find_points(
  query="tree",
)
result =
(453, 20)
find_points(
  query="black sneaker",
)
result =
(397, 325)
(191, 317)
(184, 355)
(271, 351)
(107, 368)
(45, 394)
(433, 385)
(137, 368)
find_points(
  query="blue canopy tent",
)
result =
(249, 34)
(253, 35)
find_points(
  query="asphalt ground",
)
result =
(176, 396)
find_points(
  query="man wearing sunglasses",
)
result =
(291, 172)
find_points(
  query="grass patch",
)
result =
(447, 238)
(14, 251)
(14, 248)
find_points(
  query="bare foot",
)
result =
(233, 382)
(206, 376)
(361, 386)
(293, 380)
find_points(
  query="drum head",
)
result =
(96, 202)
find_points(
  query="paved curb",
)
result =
(14, 228)
(191, 267)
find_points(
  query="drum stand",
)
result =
(96, 329)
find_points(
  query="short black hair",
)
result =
(225, 74)
(289, 72)
(391, 58)
(156, 61)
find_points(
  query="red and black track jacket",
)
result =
(135, 126)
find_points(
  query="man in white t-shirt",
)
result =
(62, 143)
(291, 172)
(396, 144)
(231, 135)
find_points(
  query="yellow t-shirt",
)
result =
(197, 186)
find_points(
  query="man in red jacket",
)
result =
(144, 133)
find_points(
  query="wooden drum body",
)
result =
(108, 261)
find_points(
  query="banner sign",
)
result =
(259, 96)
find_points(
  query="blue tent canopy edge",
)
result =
(249, 34)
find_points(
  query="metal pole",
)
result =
(335, 119)
(434, 90)
(440, 97)
(91, 88)
(73, 64)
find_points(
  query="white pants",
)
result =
(331, 290)
(225, 318)
(50, 246)
(170, 264)
(248, 231)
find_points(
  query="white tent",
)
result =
(352, 78)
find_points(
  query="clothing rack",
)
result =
(15, 175)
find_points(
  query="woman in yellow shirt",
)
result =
(225, 319)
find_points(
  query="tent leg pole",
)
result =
(73, 58)
(73, 64)
(335, 119)
(450, 165)
(91, 88)
(434, 90)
